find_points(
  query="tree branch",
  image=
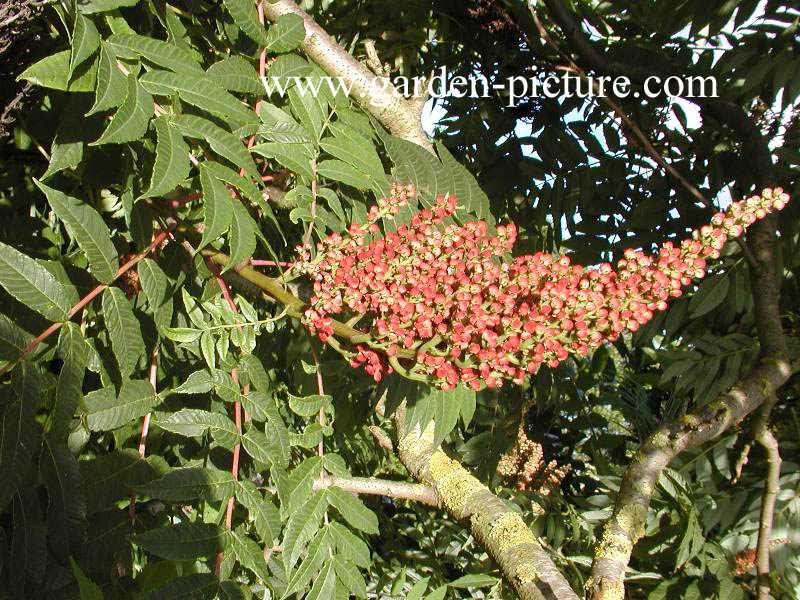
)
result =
(370, 486)
(502, 532)
(764, 436)
(628, 520)
(376, 95)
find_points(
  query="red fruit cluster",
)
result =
(447, 306)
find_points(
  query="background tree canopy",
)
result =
(171, 428)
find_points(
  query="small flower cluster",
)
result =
(525, 466)
(448, 306)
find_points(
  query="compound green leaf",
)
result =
(162, 53)
(106, 410)
(85, 41)
(184, 541)
(191, 483)
(123, 329)
(246, 18)
(199, 91)
(172, 159)
(111, 88)
(130, 121)
(88, 229)
(34, 286)
(242, 238)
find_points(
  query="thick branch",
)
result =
(627, 522)
(398, 490)
(378, 97)
(500, 530)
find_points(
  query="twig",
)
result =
(384, 441)
(145, 425)
(398, 490)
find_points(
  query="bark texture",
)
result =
(627, 523)
(500, 529)
(399, 115)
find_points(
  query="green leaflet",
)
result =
(302, 525)
(123, 329)
(236, 74)
(53, 72)
(324, 584)
(294, 157)
(353, 148)
(222, 142)
(350, 545)
(465, 186)
(286, 34)
(193, 422)
(19, 434)
(199, 91)
(87, 227)
(130, 121)
(154, 282)
(341, 171)
(318, 552)
(184, 541)
(86, 587)
(109, 477)
(218, 208)
(85, 41)
(66, 505)
(197, 586)
(88, 7)
(111, 89)
(74, 352)
(191, 483)
(34, 286)
(172, 159)
(106, 411)
(28, 556)
(13, 340)
(348, 574)
(353, 510)
(242, 238)
(250, 555)
(161, 53)
(262, 511)
(712, 293)
(246, 18)
(309, 405)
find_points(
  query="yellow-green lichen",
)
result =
(643, 488)
(507, 531)
(453, 483)
(607, 589)
(632, 519)
(766, 387)
(527, 573)
(614, 546)
(660, 439)
(690, 421)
